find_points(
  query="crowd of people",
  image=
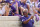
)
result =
(11, 7)
(24, 9)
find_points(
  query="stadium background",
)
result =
(13, 21)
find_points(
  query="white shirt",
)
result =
(2, 11)
(36, 5)
(31, 7)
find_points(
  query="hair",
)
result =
(25, 10)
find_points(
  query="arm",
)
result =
(25, 22)
(21, 10)
(7, 11)
(37, 9)
(28, 8)
(17, 8)
(34, 10)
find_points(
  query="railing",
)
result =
(13, 21)
(10, 21)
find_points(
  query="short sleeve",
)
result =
(32, 21)
(22, 19)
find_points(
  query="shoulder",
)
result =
(29, 15)
(22, 17)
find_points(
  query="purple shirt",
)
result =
(8, 1)
(29, 24)
(13, 7)
(22, 5)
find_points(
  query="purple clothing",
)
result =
(38, 5)
(39, 12)
(8, 1)
(22, 5)
(29, 24)
(13, 7)
(14, 4)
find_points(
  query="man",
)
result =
(14, 6)
(27, 20)
(14, 13)
(22, 5)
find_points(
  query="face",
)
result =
(25, 13)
